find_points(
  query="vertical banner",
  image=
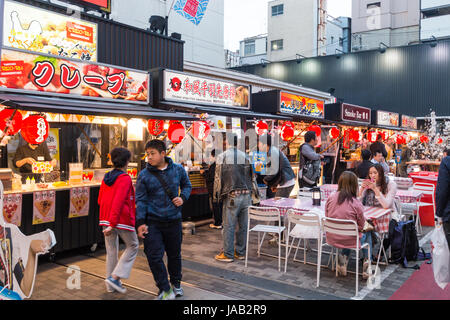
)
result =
(79, 202)
(53, 143)
(12, 208)
(44, 207)
(259, 162)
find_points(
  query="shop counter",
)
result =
(70, 233)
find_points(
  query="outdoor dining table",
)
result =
(406, 196)
(379, 216)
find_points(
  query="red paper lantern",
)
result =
(316, 129)
(287, 132)
(35, 129)
(334, 133)
(155, 127)
(261, 127)
(424, 139)
(14, 125)
(201, 130)
(401, 139)
(176, 132)
(372, 136)
(440, 141)
(355, 135)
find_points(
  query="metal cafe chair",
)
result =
(264, 214)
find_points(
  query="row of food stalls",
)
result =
(82, 109)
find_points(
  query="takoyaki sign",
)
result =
(182, 87)
(47, 75)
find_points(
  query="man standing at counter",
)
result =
(28, 154)
(310, 165)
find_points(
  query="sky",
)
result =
(247, 18)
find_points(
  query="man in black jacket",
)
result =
(362, 171)
(443, 196)
(216, 207)
(378, 146)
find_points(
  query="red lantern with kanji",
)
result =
(35, 129)
(440, 141)
(355, 135)
(261, 127)
(176, 132)
(316, 129)
(287, 132)
(155, 127)
(201, 130)
(334, 133)
(14, 125)
(424, 139)
(372, 136)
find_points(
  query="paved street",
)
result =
(207, 279)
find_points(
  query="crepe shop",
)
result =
(67, 112)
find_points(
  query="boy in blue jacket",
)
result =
(161, 189)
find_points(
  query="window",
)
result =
(332, 39)
(276, 45)
(277, 10)
(249, 47)
(374, 5)
(341, 41)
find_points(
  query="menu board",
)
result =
(12, 208)
(409, 122)
(188, 88)
(34, 29)
(48, 75)
(300, 105)
(385, 118)
(355, 113)
(44, 207)
(79, 202)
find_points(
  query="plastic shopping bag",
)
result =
(441, 257)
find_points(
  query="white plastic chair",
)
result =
(413, 208)
(307, 226)
(304, 193)
(264, 214)
(347, 228)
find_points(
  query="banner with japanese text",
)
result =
(38, 30)
(12, 208)
(42, 74)
(79, 202)
(44, 206)
(188, 88)
(299, 105)
(193, 10)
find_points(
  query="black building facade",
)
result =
(409, 80)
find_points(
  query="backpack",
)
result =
(404, 243)
(309, 169)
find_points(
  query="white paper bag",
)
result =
(441, 257)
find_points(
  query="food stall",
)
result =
(79, 109)
(349, 134)
(306, 113)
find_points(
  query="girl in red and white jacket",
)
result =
(118, 217)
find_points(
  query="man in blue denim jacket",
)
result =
(158, 216)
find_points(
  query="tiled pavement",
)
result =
(206, 278)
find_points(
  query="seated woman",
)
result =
(344, 204)
(378, 190)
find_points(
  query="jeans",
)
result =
(366, 238)
(164, 237)
(120, 267)
(235, 212)
(216, 208)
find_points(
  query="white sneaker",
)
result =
(109, 289)
(166, 295)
